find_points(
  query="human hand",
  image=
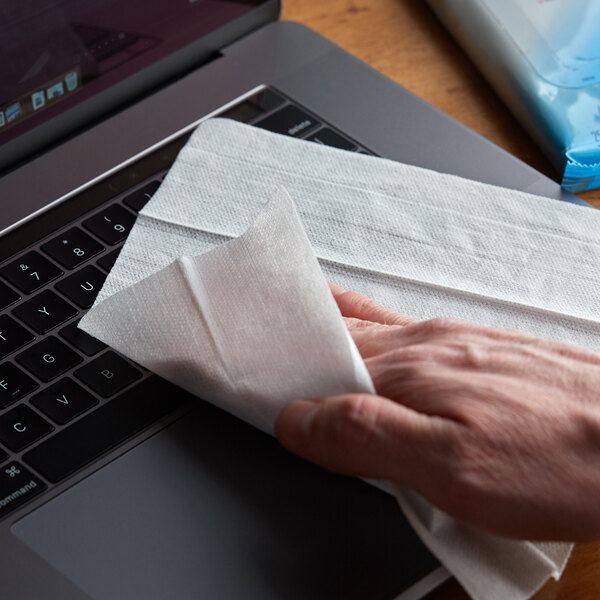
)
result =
(498, 428)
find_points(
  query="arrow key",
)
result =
(63, 401)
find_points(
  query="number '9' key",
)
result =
(112, 225)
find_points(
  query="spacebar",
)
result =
(109, 425)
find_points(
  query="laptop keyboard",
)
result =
(66, 399)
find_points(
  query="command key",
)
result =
(17, 486)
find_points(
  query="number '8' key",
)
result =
(72, 248)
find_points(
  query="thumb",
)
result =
(358, 434)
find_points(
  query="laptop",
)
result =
(114, 483)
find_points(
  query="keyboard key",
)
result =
(3, 455)
(81, 340)
(83, 286)
(139, 199)
(63, 401)
(104, 428)
(243, 112)
(108, 260)
(112, 225)
(30, 272)
(48, 359)
(267, 99)
(7, 296)
(21, 426)
(12, 336)
(14, 384)
(259, 103)
(17, 486)
(72, 248)
(328, 137)
(45, 311)
(289, 121)
(108, 374)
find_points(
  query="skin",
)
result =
(498, 428)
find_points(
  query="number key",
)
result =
(139, 199)
(30, 272)
(112, 225)
(72, 248)
(7, 296)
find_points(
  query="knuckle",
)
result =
(441, 325)
(359, 303)
(355, 417)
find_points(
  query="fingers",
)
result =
(360, 434)
(353, 304)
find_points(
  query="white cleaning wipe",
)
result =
(421, 242)
(249, 326)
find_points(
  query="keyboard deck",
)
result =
(66, 399)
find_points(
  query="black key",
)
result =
(64, 400)
(328, 137)
(81, 340)
(45, 311)
(83, 286)
(17, 486)
(7, 296)
(112, 225)
(139, 199)
(104, 428)
(108, 260)
(3, 455)
(14, 384)
(72, 248)
(267, 99)
(290, 120)
(48, 359)
(21, 426)
(108, 374)
(244, 112)
(30, 272)
(12, 336)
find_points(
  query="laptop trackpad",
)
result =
(210, 508)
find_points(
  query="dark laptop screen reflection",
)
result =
(82, 47)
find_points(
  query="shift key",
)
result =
(17, 485)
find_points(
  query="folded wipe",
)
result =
(421, 242)
(249, 326)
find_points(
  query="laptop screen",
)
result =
(56, 54)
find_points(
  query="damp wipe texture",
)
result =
(213, 255)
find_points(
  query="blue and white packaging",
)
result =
(543, 59)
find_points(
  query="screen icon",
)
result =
(38, 100)
(13, 111)
(71, 80)
(55, 91)
(2, 121)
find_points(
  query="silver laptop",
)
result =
(113, 483)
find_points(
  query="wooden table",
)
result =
(403, 40)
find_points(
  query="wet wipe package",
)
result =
(543, 59)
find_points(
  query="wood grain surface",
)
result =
(403, 40)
